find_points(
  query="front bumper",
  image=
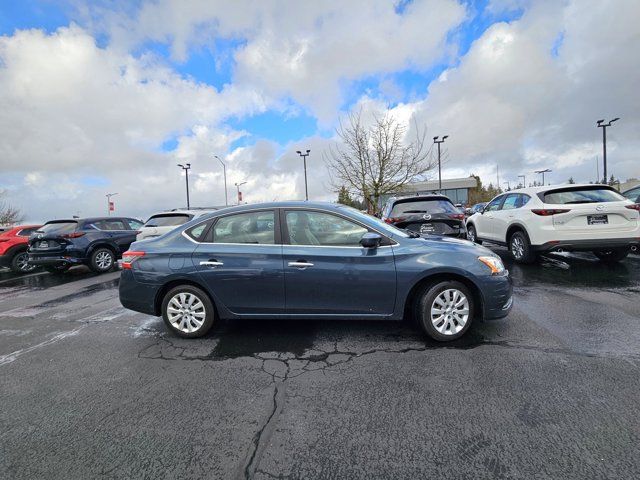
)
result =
(497, 293)
(587, 245)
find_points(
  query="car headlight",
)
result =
(494, 263)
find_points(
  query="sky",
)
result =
(109, 96)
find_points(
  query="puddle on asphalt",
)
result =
(41, 280)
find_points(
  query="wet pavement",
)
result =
(89, 389)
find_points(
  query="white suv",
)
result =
(559, 218)
(163, 222)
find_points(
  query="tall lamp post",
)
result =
(546, 170)
(508, 185)
(603, 126)
(239, 194)
(304, 158)
(524, 180)
(224, 170)
(438, 142)
(186, 168)
(109, 195)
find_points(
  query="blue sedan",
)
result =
(311, 260)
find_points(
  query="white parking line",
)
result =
(10, 357)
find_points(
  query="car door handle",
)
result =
(300, 264)
(212, 263)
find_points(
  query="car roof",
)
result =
(88, 219)
(426, 196)
(184, 211)
(546, 188)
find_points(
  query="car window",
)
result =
(510, 202)
(494, 204)
(201, 232)
(252, 227)
(378, 224)
(633, 194)
(319, 228)
(134, 224)
(168, 220)
(423, 206)
(109, 225)
(58, 227)
(523, 199)
(571, 195)
(25, 232)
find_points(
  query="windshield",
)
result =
(377, 223)
(423, 206)
(58, 227)
(168, 220)
(582, 195)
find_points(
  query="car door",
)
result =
(328, 272)
(485, 223)
(505, 215)
(240, 261)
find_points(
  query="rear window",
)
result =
(567, 196)
(168, 220)
(58, 227)
(423, 206)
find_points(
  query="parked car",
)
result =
(163, 222)
(97, 242)
(475, 208)
(331, 260)
(559, 218)
(633, 194)
(425, 214)
(14, 243)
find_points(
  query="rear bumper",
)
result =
(587, 244)
(136, 296)
(497, 293)
(54, 260)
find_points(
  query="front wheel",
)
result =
(612, 254)
(188, 311)
(472, 235)
(445, 310)
(20, 263)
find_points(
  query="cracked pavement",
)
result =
(90, 390)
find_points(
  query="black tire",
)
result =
(102, 260)
(19, 265)
(472, 235)
(429, 298)
(61, 268)
(187, 321)
(612, 255)
(520, 248)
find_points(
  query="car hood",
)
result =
(455, 245)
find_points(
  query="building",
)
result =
(457, 189)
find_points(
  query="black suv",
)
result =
(425, 214)
(96, 242)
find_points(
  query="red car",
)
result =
(13, 248)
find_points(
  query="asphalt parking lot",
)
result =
(89, 389)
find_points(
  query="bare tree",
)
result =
(8, 214)
(376, 160)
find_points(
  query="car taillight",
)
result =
(545, 212)
(635, 206)
(72, 235)
(129, 257)
(457, 216)
(392, 219)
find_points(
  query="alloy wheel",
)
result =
(22, 262)
(104, 260)
(186, 312)
(471, 234)
(517, 247)
(450, 311)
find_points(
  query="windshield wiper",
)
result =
(413, 234)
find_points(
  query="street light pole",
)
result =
(238, 187)
(186, 168)
(603, 126)
(224, 170)
(438, 142)
(524, 180)
(304, 159)
(546, 170)
(109, 195)
(508, 185)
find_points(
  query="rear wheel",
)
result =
(520, 248)
(445, 310)
(473, 235)
(612, 254)
(102, 260)
(187, 311)
(20, 263)
(61, 268)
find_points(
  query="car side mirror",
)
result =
(370, 240)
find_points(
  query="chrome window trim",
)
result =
(184, 234)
